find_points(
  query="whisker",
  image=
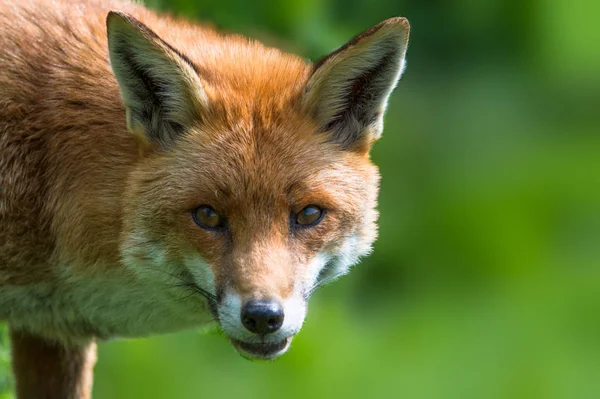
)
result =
(184, 283)
(189, 284)
(186, 297)
(177, 276)
(198, 289)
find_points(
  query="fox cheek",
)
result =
(328, 266)
(203, 274)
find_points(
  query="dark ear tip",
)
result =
(397, 23)
(397, 27)
(115, 17)
(119, 20)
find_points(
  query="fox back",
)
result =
(156, 175)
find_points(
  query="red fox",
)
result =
(157, 176)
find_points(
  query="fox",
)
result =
(159, 175)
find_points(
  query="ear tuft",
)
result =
(160, 88)
(348, 91)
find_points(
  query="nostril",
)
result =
(250, 323)
(262, 317)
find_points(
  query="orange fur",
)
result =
(93, 208)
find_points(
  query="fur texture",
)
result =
(116, 123)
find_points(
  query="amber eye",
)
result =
(206, 217)
(309, 216)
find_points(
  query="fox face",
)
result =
(254, 185)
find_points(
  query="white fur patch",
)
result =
(314, 270)
(329, 266)
(202, 273)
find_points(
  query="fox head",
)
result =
(254, 184)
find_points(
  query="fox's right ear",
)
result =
(161, 91)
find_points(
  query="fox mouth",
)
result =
(262, 350)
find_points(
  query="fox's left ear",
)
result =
(348, 91)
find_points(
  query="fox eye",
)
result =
(309, 216)
(206, 217)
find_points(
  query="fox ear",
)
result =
(348, 91)
(161, 91)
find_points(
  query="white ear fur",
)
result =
(161, 90)
(348, 91)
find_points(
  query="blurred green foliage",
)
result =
(5, 377)
(485, 281)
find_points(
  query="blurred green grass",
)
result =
(5, 377)
(485, 281)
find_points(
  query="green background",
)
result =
(485, 281)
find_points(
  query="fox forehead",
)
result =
(260, 168)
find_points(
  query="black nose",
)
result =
(262, 317)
